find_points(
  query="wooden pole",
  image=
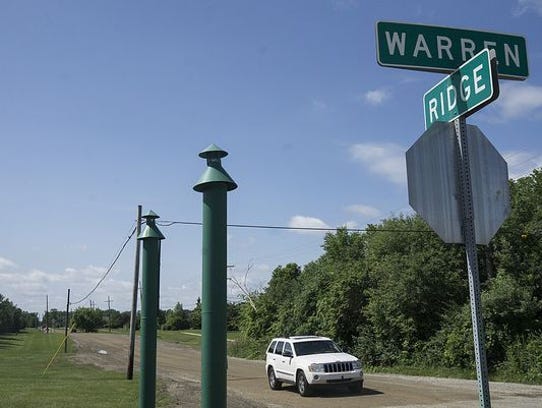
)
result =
(133, 315)
(47, 314)
(67, 322)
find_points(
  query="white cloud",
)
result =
(376, 96)
(300, 221)
(35, 275)
(524, 6)
(384, 159)
(6, 263)
(9, 278)
(28, 288)
(519, 100)
(364, 210)
(522, 163)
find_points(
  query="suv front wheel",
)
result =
(274, 384)
(303, 386)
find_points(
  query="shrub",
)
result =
(524, 359)
(87, 319)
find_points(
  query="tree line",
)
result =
(396, 295)
(91, 319)
(13, 319)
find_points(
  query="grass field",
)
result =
(23, 359)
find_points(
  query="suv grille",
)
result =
(337, 367)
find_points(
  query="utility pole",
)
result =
(47, 314)
(133, 314)
(108, 301)
(66, 325)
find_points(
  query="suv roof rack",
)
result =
(304, 337)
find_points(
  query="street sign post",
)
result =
(469, 234)
(468, 89)
(443, 49)
(457, 181)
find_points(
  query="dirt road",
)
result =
(247, 385)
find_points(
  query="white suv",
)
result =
(307, 361)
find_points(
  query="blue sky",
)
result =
(105, 105)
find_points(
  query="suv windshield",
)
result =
(315, 347)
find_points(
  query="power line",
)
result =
(246, 226)
(119, 253)
(281, 227)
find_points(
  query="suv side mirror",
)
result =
(288, 353)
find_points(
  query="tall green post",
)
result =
(214, 184)
(151, 237)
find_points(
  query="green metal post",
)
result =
(151, 237)
(214, 184)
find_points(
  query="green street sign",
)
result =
(443, 49)
(472, 86)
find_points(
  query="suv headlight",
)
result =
(316, 368)
(356, 365)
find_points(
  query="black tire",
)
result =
(356, 387)
(303, 386)
(274, 384)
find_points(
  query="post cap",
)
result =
(214, 173)
(151, 231)
(151, 215)
(213, 152)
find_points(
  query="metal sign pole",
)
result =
(472, 261)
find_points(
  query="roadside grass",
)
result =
(499, 375)
(439, 372)
(23, 359)
(191, 338)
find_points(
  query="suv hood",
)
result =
(326, 358)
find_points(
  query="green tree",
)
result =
(161, 317)
(334, 289)
(233, 316)
(417, 279)
(273, 314)
(524, 358)
(88, 319)
(124, 319)
(11, 317)
(510, 311)
(31, 319)
(55, 317)
(177, 318)
(116, 318)
(6, 315)
(517, 247)
(195, 316)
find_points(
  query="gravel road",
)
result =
(179, 366)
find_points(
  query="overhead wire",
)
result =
(287, 228)
(115, 259)
(253, 226)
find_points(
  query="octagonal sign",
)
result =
(433, 183)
